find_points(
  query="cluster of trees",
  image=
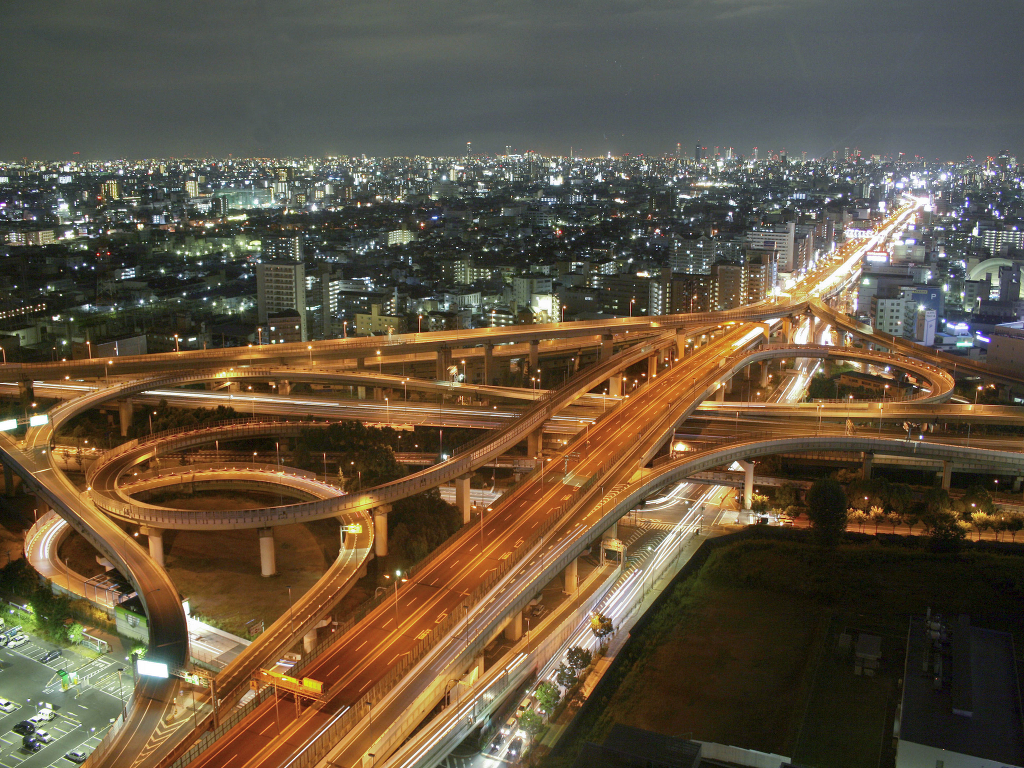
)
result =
(166, 417)
(362, 457)
(878, 503)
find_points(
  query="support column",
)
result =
(534, 355)
(866, 468)
(41, 507)
(570, 576)
(652, 367)
(615, 385)
(514, 629)
(155, 536)
(535, 443)
(764, 373)
(489, 364)
(728, 385)
(480, 665)
(680, 345)
(607, 346)
(360, 393)
(748, 483)
(812, 337)
(787, 329)
(309, 641)
(8, 481)
(124, 414)
(380, 530)
(268, 556)
(444, 360)
(284, 387)
(720, 394)
(947, 474)
(462, 498)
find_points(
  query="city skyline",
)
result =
(293, 79)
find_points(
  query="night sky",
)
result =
(113, 79)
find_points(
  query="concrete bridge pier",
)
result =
(284, 387)
(534, 355)
(514, 629)
(764, 373)
(155, 537)
(728, 385)
(866, 468)
(444, 360)
(607, 346)
(489, 378)
(787, 329)
(124, 415)
(680, 344)
(812, 336)
(462, 497)
(571, 576)
(268, 556)
(748, 484)
(615, 385)
(41, 507)
(8, 481)
(360, 393)
(720, 394)
(947, 474)
(380, 529)
(309, 641)
(652, 366)
(535, 443)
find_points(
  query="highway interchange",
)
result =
(470, 587)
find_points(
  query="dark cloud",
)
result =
(115, 78)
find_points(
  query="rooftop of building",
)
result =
(976, 708)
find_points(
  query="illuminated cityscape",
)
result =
(628, 385)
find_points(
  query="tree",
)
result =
(826, 503)
(911, 519)
(856, 517)
(531, 722)
(600, 624)
(758, 503)
(566, 676)
(948, 531)
(75, 633)
(899, 498)
(1013, 522)
(547, 696)
(877, 516)
(785, 496)
(578, 658)
(981, 521)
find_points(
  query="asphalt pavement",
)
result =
(83, 712)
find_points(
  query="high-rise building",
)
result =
(192, 188)
(727, 286)
(781, 238)
(762, 275)
(110, 190)
(280, 286)
(696, 153)
(282, 248)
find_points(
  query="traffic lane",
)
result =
(399, 643)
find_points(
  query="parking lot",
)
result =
(83, 712)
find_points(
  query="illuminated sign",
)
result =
(38, 420)
(151, 668)
(8, 424)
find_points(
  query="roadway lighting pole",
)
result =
(325, 466)
(387, 408)
(291, 609)
(120, 693)
(88, 344)
(277, 447)
(309, 348)
(176, 348)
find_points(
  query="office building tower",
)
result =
(696, 153)
(282, 248)
(727, 286)
(192, 188)
(1009, 283)
(281, 286)
(110, 190)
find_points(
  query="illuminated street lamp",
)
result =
(399, 579)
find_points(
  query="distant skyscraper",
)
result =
(192, 188)
(281, 286)
(469, 149)
(111, 190)
(282, 248)
(696, 153)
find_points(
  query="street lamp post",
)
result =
(120, 693)
(387, 408)
(309, 349)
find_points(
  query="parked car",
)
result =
(43, 736)
(76, 756)
(17, 640)
(24, 728)
(31, 743)
(7, 706)
(49, 656)
(44, 715)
